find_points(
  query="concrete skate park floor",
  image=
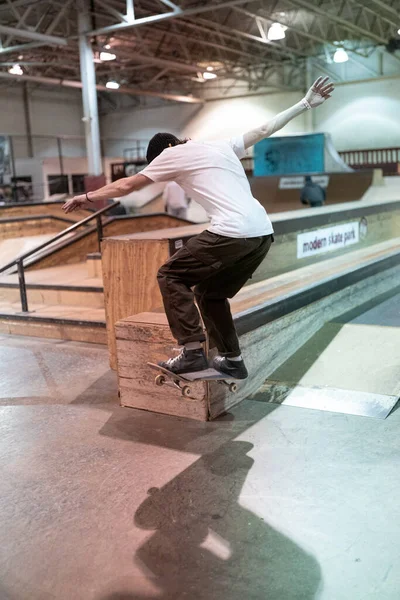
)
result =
(99, 502)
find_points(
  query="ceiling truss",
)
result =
(163, 46)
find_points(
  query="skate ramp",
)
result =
(10, 249)
(350, 368)
(297, 154)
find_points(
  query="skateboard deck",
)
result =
(182, 381)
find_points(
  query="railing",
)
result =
(19, 262)
(388, 159)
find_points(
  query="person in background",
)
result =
(312, 193)
(175, 200)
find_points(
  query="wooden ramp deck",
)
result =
(64, 302)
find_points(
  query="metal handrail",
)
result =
(19, 262)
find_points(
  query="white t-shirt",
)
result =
(212, 174)
(174, 196)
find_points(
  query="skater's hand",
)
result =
(74, 203)
(320, 91)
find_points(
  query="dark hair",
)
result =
(308, 179)
(159, 142)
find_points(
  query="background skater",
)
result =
(175, 200)
(312, 193)
(214, 265)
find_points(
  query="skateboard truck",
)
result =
(182, 382)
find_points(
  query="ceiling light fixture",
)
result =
(112, 85)
(105, 56)
(210, 68)
(16, 70)
(276, 32)
(340, 56)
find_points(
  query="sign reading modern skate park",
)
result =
(296, 183)
(327, 239)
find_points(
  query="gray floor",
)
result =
(269, 502)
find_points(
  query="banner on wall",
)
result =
(327, 239)
(290, 154)
(5, 159)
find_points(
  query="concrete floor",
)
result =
(99, 502)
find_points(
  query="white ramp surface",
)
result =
(352, 369)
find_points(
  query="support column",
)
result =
(89, 93)
(27, 120)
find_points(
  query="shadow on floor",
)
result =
(103, 391)
(206, 545)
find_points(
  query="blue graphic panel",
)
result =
(288, 155)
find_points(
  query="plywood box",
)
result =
(147, 338)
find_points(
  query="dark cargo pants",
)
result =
(217, 267)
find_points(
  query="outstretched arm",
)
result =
(118, 188)
(320, 91)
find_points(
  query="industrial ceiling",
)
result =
(163, 49)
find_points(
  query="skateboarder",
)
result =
(214, 265)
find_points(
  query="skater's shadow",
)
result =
(206, 545)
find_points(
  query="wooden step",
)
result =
(52, 295)
(93, 263)
(65, 285)
(78, 323)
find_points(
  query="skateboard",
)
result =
(182, 382)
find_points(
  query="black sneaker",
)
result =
(188, 361)
(233, 368)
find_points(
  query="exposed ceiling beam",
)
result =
(112, 11)
(337, 19)
(163, 62)
(212, 44)
(59, 17)
(21, 47)
(373, 12)
(16, 3)
(318, 39)
(33, 35)
(13, 9)
(175, 14)
(20, 23)
(130, 10)
(70, 67)
(102, 88)
(388, 8)
(226, 32)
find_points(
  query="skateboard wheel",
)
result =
(233, 387)
(186, 391)
(160, 380)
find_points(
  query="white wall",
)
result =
(53, 113)
(219, 119)
(362, 115)
(359, 115)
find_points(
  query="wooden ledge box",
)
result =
(147, 338)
